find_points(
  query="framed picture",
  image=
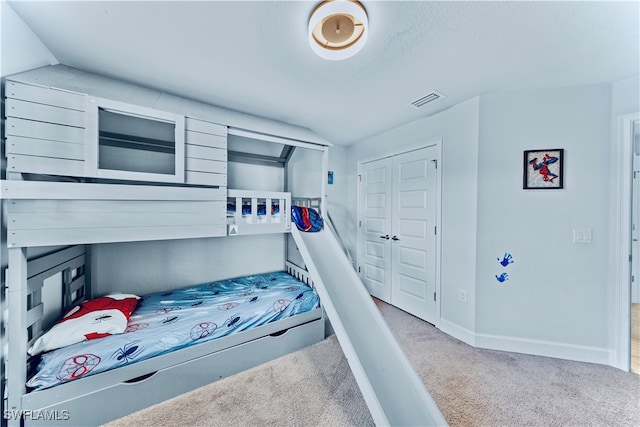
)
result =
(543, 169)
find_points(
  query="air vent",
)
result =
(433, 96)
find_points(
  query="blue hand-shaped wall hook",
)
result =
(506, 259)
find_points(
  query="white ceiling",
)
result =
(254, 57)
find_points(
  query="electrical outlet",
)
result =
(462, 296)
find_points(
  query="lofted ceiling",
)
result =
(254, 57)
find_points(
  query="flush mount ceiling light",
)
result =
(338, 29)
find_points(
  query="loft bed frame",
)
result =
(36, 217)
(56, 195)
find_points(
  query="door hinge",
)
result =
(434, 296)
(358, 269)
(359, 177)
(629, 257)
(360, 223)
(435, 230)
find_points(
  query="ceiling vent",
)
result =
(433, 96)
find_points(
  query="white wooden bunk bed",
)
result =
(67, 192)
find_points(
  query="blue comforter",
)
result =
(167, 321)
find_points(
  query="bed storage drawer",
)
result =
(178, 379)
(126, 397)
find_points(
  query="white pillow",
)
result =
(90, 319)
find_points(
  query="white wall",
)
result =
(625, 98)
(560, 299)
(458, 128)
(243, 176)
(557, 290)
(144, 267)
(305, 173)
(21, 49)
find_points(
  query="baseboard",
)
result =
(463, 334)
(578, 353)
(557, 350)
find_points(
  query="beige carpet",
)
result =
(472, 387)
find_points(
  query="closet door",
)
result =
(413, 238)
(375, 240)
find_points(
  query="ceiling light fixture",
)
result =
(338, 29)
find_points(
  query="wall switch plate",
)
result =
(462, 296)
(582, 236)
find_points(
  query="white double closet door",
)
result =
(397, 239)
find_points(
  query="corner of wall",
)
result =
(21, 48)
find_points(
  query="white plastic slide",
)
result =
(391, 388)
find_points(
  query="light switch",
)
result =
(582, 236)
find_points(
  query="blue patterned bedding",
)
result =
(167, 321)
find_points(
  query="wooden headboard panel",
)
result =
(64, 272)
(70, 264)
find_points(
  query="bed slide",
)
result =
(394, 393)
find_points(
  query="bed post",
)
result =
(17, 332)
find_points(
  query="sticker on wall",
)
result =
(506, 259)
(233, 230)
(502, 278)
(330, 177)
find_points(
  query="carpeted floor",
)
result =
(472, 387)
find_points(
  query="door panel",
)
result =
(375, 205)
(413, 227)
(398, 205)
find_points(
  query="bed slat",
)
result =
(208, 166)
(76, 285)
(44, 95)
(205, 127)
(34, 190)
(35, 314)
(43, 165)
(93, 206)
(203, 178)
(48, 262)
(71, 236)
(207, 153)
(45, 148)
(39, 221)
(44, 113)
(206, 140)
(40, 130)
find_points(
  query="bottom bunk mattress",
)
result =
(166, 321)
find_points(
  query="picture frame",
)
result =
(543, 169)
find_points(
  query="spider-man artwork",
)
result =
(543, 167)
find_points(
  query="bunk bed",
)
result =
(73, 183)
(110, 394)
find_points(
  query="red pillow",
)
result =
(90, 319)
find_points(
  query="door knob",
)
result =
(386, 236)
(394, 238)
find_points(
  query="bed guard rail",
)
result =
(258, 212)
(315, 202)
